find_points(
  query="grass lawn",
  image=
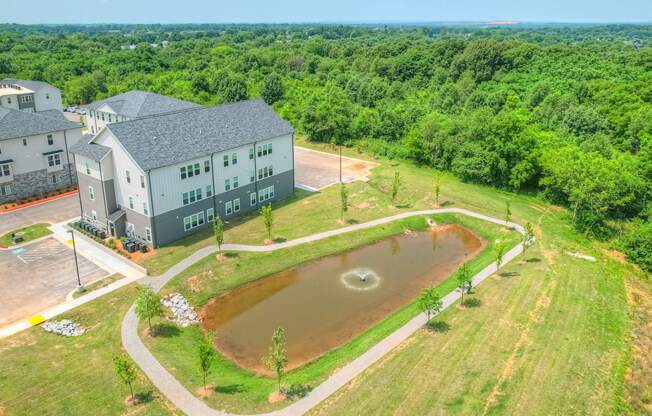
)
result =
(31, 232)
(46, 374)
(242, 391)
(105, 281)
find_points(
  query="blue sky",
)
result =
(278, 11)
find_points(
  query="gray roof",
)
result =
(14, 123)
(54, 113)
(92, 151)
(167, 139)
(136, 104)
(26, 83)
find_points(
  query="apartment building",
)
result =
(29, 96)
(161, 177)
(129, 106)
(34, 152)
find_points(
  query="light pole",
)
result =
(80, 287)
(340, 163)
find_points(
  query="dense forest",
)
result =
(562, 111)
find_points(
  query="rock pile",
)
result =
(64, 327)
(182, 313)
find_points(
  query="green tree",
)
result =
(218, 232)
(429, 302)
(528, 236)
(273, 89)
(148, 305)
(344, 199)
(499, 253)
(206, 354)
(268, 218)
(437, 191)
(464, 280)
(276, 358)
(126, 370)
(396, 184)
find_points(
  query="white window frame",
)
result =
(236, 205)
(227, 184)
(91, 193)
(209, 191)
(252, 199)
(54, 160)
(236, 182)
(130, 201)
(210, 215)
(145, 208)
(94, 215)
(128, 176)
(50, 139)
(54, 179)
(5, 169)
(5, 190)
(228, 207)
(234, 158)
(142, 181)
(148, 234)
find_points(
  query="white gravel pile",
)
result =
(64, 327)
(182, 313)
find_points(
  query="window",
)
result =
(207, 166)
(235, 182)
(54, 160)
(227, 184)
(185, 198)
(88, 169)
(265, 172)
(25, 98)
(252, 175)
(5, 190)
(54, 179)
(24, 142)
(142, 181)
(182, 170)
(197, 170)
(47, 96)
(145, 208)
(266, 194)
(226, 160)
(131, 202)
(192, 196)
(236, 205)
(260, 151)
(9, 100)
(91, 193)
(102, 114)
(193, 221)
(148, 234)
(252, 199)
(128, 176)
(209, 191)
(109, 118)
(251, 153)
(228, 207)
(210, 216)
(50, 140)
(5, 170)
(269, 149)
(234, 158)
(265, 150)
(198, 191)
(94, 215)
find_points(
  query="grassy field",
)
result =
(241, 391)
(46, 374)
(105, 281)
(31, 232)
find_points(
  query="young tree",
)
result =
(464, 280)
(344, 197)
(437, 191)
(273, 89)
(396, 183)
(268, 218)
(148, 305)
(126, 371)
(276, 359)
(528, 237)
(218, 232)
(429, 302)
(206, 354)
(508, 213)
(499, 252)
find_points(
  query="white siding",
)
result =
(168, 187)
(42, 102)
(9, 101)
(30, 158)
(81, 163)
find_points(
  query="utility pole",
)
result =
(80, 287)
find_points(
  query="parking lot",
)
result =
(318, 170)
(39, 276)
(49, 212)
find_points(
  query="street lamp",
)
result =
(80, 287)
(340, 163)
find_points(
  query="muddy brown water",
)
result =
(325, 303)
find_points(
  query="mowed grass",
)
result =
(46, 374)
(240, 391)
(30, 233)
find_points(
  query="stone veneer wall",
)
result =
(38, 182)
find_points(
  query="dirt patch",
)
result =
(638, 393)
(204, 392)
(131, 401)
(220, 257)
(363, 205)
(615, 255)
(276, 397)
(268, 241)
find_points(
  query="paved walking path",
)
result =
(174, 391)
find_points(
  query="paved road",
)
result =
(50, 212)
(30, 284)
(192, 406)
(317, 170)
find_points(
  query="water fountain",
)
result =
(360, 278)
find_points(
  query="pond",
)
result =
(327, 302)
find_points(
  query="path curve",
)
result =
(185, 401)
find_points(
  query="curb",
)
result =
(39, 202)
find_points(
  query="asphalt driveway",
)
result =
(50, 212)
(39, 276)
(318, 170)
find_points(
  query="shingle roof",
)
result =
(167, 139)
(92, 151)
(136, 104)
(14, 123)
(26, 83)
